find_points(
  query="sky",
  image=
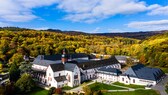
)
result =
(91, 16)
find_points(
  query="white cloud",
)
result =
(149, 25)
(160, 10)
(92, 10)
(88, 11)
(21, 10)
(96, 30)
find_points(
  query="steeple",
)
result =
(64, 56)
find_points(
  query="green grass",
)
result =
(130, 86)
(87, 81)
(167, 89)
(102, 86)
(137, 92)
(39, 91)
(68, 88)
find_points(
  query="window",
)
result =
(122, 79)
(133, 80)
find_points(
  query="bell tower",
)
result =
(64, 56)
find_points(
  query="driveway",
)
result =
(161, 86)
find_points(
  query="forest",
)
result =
(14, 44)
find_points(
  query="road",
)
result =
(161, 86)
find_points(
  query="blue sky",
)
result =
(92, 16)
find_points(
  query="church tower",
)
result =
(64, 56)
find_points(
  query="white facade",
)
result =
(72, 77)
(136, 81)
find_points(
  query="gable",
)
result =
(130, 72)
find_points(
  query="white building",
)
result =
(73, 69)
(68, 69)
(123, 59)
(108, 74)
(141, 75)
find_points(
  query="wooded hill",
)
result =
(15, 44)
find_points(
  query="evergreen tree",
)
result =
(25, 84)
(14, 73)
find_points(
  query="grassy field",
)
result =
(137, 92)
(102, 86)
(167, 89)
(131, 85)
(39, 91)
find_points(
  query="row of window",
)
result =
(127, 81)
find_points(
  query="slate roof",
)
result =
(142, 72)
(95, 63)
(69, 66)
(60, 78)
(58, 56)
(109, 70)
(46, 60)
(57, 67)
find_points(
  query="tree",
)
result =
(25, 67)
(14, 73)
(129, 61)
(51, 91)
(58, 91)
(97, 93)
(87, 90)
(25, 84)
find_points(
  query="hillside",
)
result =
(136, 35)
(14, 44)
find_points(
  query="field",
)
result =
(137, 92)
(39, 91)
(102, 86)
(130, 86)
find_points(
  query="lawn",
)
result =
(167, 89)
(102, 86)
(137, 92)
(68, 88)
(39, 91)
(130, 86)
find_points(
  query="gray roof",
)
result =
(60, 78)
(95, 63)
(69, 66)
(120, 57)
(57, 67)
(46, 60)
(110, 70)
(59, 56)
(142, 72)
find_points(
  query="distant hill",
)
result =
(136, 35)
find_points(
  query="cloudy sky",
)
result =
(92, 16)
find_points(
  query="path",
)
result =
(161, 86)
(78, 89)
